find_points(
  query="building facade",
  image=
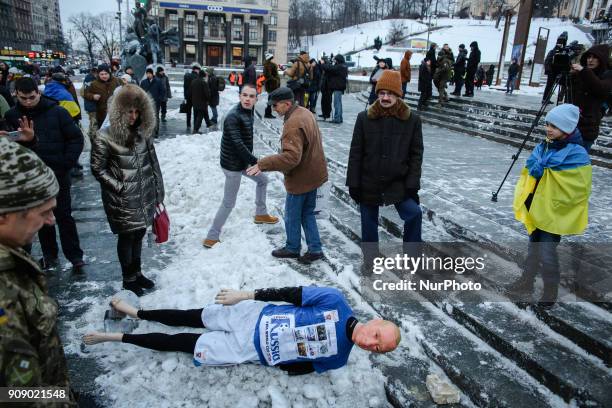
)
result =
(29, 28)
(222, 33)
(47, 25)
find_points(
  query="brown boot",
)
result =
(265, 219)
(209, 243)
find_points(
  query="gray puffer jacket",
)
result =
(123, 160)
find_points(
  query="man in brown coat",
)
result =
(101, 90)
(303, 163)
(300, 73)
(405, 71)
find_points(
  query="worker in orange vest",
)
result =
(232, 78)
(239, 82)
(260, 82)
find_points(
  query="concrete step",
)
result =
(572, 321)
(473, 368)
(500, 123)
(546, 357)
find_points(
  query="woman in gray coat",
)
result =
(123, 160)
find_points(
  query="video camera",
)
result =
(565, 54)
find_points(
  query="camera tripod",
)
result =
(565, 94)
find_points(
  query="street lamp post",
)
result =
(119, 18)
(429, 22)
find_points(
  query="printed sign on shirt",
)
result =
(281, 341)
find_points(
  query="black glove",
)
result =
(355, 193)
(414, 194)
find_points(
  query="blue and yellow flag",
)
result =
(58, 92)
(560, 203)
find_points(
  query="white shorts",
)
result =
(230, 339)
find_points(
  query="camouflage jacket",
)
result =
(31, 352)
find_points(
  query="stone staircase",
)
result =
(499, 354)
(502, 123)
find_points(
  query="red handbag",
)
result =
(161, 224)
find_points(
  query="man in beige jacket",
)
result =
(303, 163)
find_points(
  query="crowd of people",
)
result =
(384, 168)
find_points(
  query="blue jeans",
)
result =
(542, 256)
(338, 106)
(214, 114)
(510, 84)
(299, 213)
(408, 210)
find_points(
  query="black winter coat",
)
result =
(336, 75)
(425, 78)
(237, 139)
(200, 93)
(513, 70)
(315, 81)
(58, 140)
(431, 56)
(386, 156)
(155, 88)
(473, 61)
(459, 65)
(187, 80)
(126, 165)
(165, 81)
(249, 75)
(213, 87)
(591, 89)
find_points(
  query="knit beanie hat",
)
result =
(25, 181)
(269, 56)
(564, 117)
(390, 81)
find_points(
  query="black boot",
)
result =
(549, 296)
(522, 286)
(142, 280)
(134, 287)
(129, 280)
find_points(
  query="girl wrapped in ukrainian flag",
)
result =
(551, 199)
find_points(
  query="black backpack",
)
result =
(305, 79)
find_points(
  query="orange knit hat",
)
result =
(390, 81)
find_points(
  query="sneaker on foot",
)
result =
(266, 219)
(209, 243)
(134, 287)
(310, 257)
(284, 253)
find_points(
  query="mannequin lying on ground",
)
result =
(314, 332)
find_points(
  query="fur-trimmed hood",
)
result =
(130, 96)
(400, 110)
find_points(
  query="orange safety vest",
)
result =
(239, 79)
(260, 82)
(232, 78)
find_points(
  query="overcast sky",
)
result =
(70, 7)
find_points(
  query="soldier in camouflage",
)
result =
(31, 353)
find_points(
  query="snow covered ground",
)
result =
(460, 32)
(194, 186)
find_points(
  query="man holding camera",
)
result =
(591, 84)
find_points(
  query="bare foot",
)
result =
(97, 337)
(124, 307)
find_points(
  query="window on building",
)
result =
(213, 26)
(173, 20)
(272, 36)
(155, 10)
(190, 49)
(254, 29)
(237, 29)
(273, 20)
(190, 26)
(274, 3)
